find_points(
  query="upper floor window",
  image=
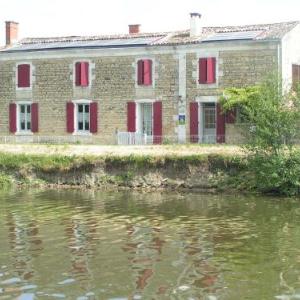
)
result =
(144, 72)
(207, 70)
(23, 76)
(82, 74)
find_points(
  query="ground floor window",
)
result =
(145, 118)
(83, 117)
(25, 117)
(208, 124)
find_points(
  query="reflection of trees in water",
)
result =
(144, 246)
(81, 232)
(25, 243)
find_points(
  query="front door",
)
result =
(208, 123)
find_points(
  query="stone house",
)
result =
(147, 87)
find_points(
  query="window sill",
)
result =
(208, 85)
(24, 133)
(82, 133)
(21, 89)
(151, 86)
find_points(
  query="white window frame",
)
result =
(200, 100)
(208, 54)
(138, 117)
(76, 103)
(31, 76)
(90, 73)
(19, 131)
(136, 73)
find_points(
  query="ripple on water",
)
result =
(27, 296)
(67, 281)
(10, 281)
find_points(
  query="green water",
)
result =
(121, 245)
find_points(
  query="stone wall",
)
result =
(236, 68)
(113, 84)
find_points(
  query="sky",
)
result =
(44, 18)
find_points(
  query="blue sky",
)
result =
(91, 17)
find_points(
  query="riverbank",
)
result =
(196, 171)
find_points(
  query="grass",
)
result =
(64, 163)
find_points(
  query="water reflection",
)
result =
(100, 245)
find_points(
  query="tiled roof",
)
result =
(209, 34)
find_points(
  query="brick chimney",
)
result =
(195, 24)
(11, 29)
(134, 28)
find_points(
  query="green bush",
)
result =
(272, 117)
(276, 173)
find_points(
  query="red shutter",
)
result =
(78, 74)
(24, 76)
(94, 117)
(70, 117)
(231, 116)
(34, 117)
(202, 70)
(220, 125)
(157, 122)
(12, 117)
(140, 72)
(84, 74)
(131, 114)
(148, 72)
(194, 122)
(211, 70)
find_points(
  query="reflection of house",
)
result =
(23, 241)
(152, 85)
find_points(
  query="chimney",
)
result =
(11, 32)
(195, 25)
(134, 28)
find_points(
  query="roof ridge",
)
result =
(270, 31)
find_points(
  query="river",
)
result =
(74, 244)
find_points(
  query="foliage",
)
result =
(5, 181)
(279, 174)
(272, 117)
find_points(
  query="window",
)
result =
(144, 72)
(207, 70)
(23, 76)
(209, 115)
(146, 118)
(82, 74)
(83, 117)
(25, 117)
(145, 121)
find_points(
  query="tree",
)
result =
(272, 118)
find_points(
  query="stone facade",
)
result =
(113, 83)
